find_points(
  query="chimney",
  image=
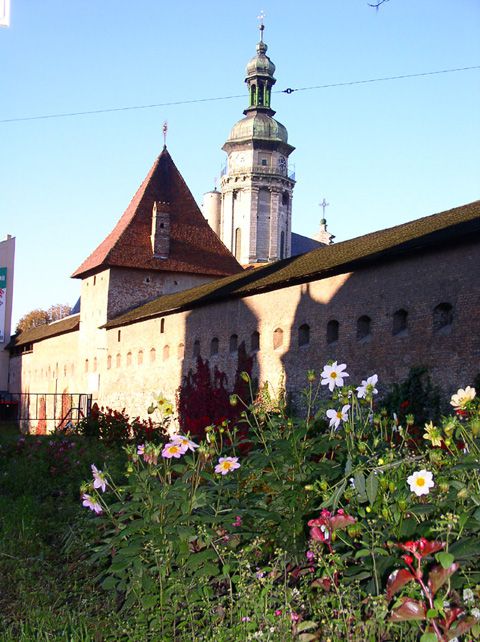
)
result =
(160, 237)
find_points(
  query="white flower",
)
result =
(462, 397)
(421, 482)
(468, 595)
(333, 375)
(185, 441)
(336, 416)
(475, 613)
(368, 387)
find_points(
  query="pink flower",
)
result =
(99, 480)
(90, 503)
(322, 527)
(226, 464)
(310, 555)
(238, 521)
(141, 449)
(294, 616)
(174, 449)
(278, 612)
(184, 441)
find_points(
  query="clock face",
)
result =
(282, 163)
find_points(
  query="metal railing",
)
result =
(49, 410)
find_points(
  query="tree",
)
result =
(39, 317)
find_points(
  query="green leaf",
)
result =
(363, 552)
(445, 559)
(429, 637)
(431, 613)
(109, 583)
(371, 487)
(209, 570)
(307, 637)
(306, 626)
(198, 558)
(359, 481)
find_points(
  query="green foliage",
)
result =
(415, 396)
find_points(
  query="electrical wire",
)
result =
(289, 90)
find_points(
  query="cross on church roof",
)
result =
(323, 205)
(261, 18)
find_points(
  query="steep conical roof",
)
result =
(194, 246)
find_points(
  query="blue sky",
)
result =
(380, 153)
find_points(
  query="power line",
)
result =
(289, 90)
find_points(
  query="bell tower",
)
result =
(256, 185)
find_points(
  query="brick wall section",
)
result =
(416, 284)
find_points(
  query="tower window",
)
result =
(277, 338)
(129, 358)
(140, 357)
(255, 341)
(162, 326)
(285, 198)
(196, 348)
(153, 355)
(442, 317)
(118, 360)
(282, 245)
(304, 335)
(399, 322)
(238, 243)
(119, 335)
(166, 352)
(214, 347)
(234, 343)
(333, 327)
(109, 362)
(264, 162)
(181, 350)
(364, 327)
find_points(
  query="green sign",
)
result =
(3, 278)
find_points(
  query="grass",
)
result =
(47, 589)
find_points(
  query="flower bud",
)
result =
(324, 485)
(462, 493)
(443, 486)
(402, 505)
(362, 447)
(392, 487)
(475, 427)
(233, 400)
(309, 487)
(354, 530)
(385, 513)
(311, 376)
(245, 376)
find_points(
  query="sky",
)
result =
(380, 153)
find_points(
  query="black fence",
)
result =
(52, 411)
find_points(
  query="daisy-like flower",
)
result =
(368, 387)
(433, 434)
(333, 375)
(460, 400)
(90, 503)
(336, 416)
(141, 449)
(184, 441)
(421, 482)
(99, 479)
(226, 464)
(173, 449)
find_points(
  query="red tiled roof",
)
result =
(194, 246)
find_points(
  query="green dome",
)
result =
(259, 126)
(260, 65)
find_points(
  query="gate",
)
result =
(44, 412)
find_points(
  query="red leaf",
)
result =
(462, 627)
(409, 610)
(396, 580)
(439, 575)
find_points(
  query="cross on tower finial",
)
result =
(165, 130)
(323, 205)
(261, 18)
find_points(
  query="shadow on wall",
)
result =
(216, 355)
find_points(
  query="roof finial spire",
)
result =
(323, 205)
(261, 18)
(165, 130)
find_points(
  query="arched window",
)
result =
(333, 328)
(399, 322)
(95, 364)
(119, 335)
(118, 360)
(140, 357)
(282, 245)
(214, 346)
(153, 355)
(196, 348)
(304, 334)
(181, 350)
(277, 338)
(86, 365)
(166, 352)
(109, 362)
(442, 317)
(129, 359)
(162, 326)
(233, 345)
(364, 327)
(255, 341)
(238, 243)
(285, 198)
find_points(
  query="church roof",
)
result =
(194, 246)
(443, 229)
(302, 244)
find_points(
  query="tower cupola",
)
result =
(260, 79)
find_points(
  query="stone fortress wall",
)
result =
(420, 310)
